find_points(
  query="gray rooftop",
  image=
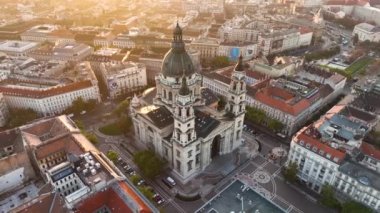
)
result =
(363, 175)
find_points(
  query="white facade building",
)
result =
(17, 48)
(50, 97)
(367, 32)
(321, 153)
(171, 118)
(122, 77)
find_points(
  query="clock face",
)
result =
(113, 85)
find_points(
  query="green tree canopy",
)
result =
(19, 117)
(149, 163)
(290, 172)
(112, 155)
(80, 105)
(275, 125)
(355, 207)
(328, 197)
(220, 62)
(121, 108)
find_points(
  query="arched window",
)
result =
(164, 91)
(170, 96)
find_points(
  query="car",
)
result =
(141, 182)
(83, 112)
(158, 199)
(169, 182)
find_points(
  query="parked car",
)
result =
(169, 182)
(141, 182)
(158, 199)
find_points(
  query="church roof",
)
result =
(161, 117)
(204, 124)
(177, 61)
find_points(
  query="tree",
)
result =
(255, 115)
(121, 108)
(135, 179)
(220, 62)
(19, 117)
(146, 191)
(290, 172)
(80, 105)
(149, 164)
(354, 207)
(91, 137)
(112, 155)
(328, 197)
(275, 125)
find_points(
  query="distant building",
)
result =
(282, 40)
(207, 47)
(104, 39)
(123, 77)
(38, 33)
(153, 64)
(65, 51)
(282, 66)
(233, 50)
(50, 96)
(367, 32)
(17, 48)
(123, 41)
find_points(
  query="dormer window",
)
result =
(328, 156)
(308, 146)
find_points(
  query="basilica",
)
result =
(176, 120)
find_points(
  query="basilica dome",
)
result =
(177, 62)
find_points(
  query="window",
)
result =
(189, 137)
(189, 165)
(189, 153)
(178, 166)
(197, 159)
(178, 153)
(198, 147)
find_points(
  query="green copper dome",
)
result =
(177, 62)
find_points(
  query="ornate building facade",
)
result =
(175, 120)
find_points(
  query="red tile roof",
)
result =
(280, 99)
(44, 203)
(370, 150)
(64, 143)
(108, 198)
(304, 30)
(45, 93)
(319, 147)
(113, 201)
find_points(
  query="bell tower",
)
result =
(237, 90)
(184, 118)
(236, 103)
